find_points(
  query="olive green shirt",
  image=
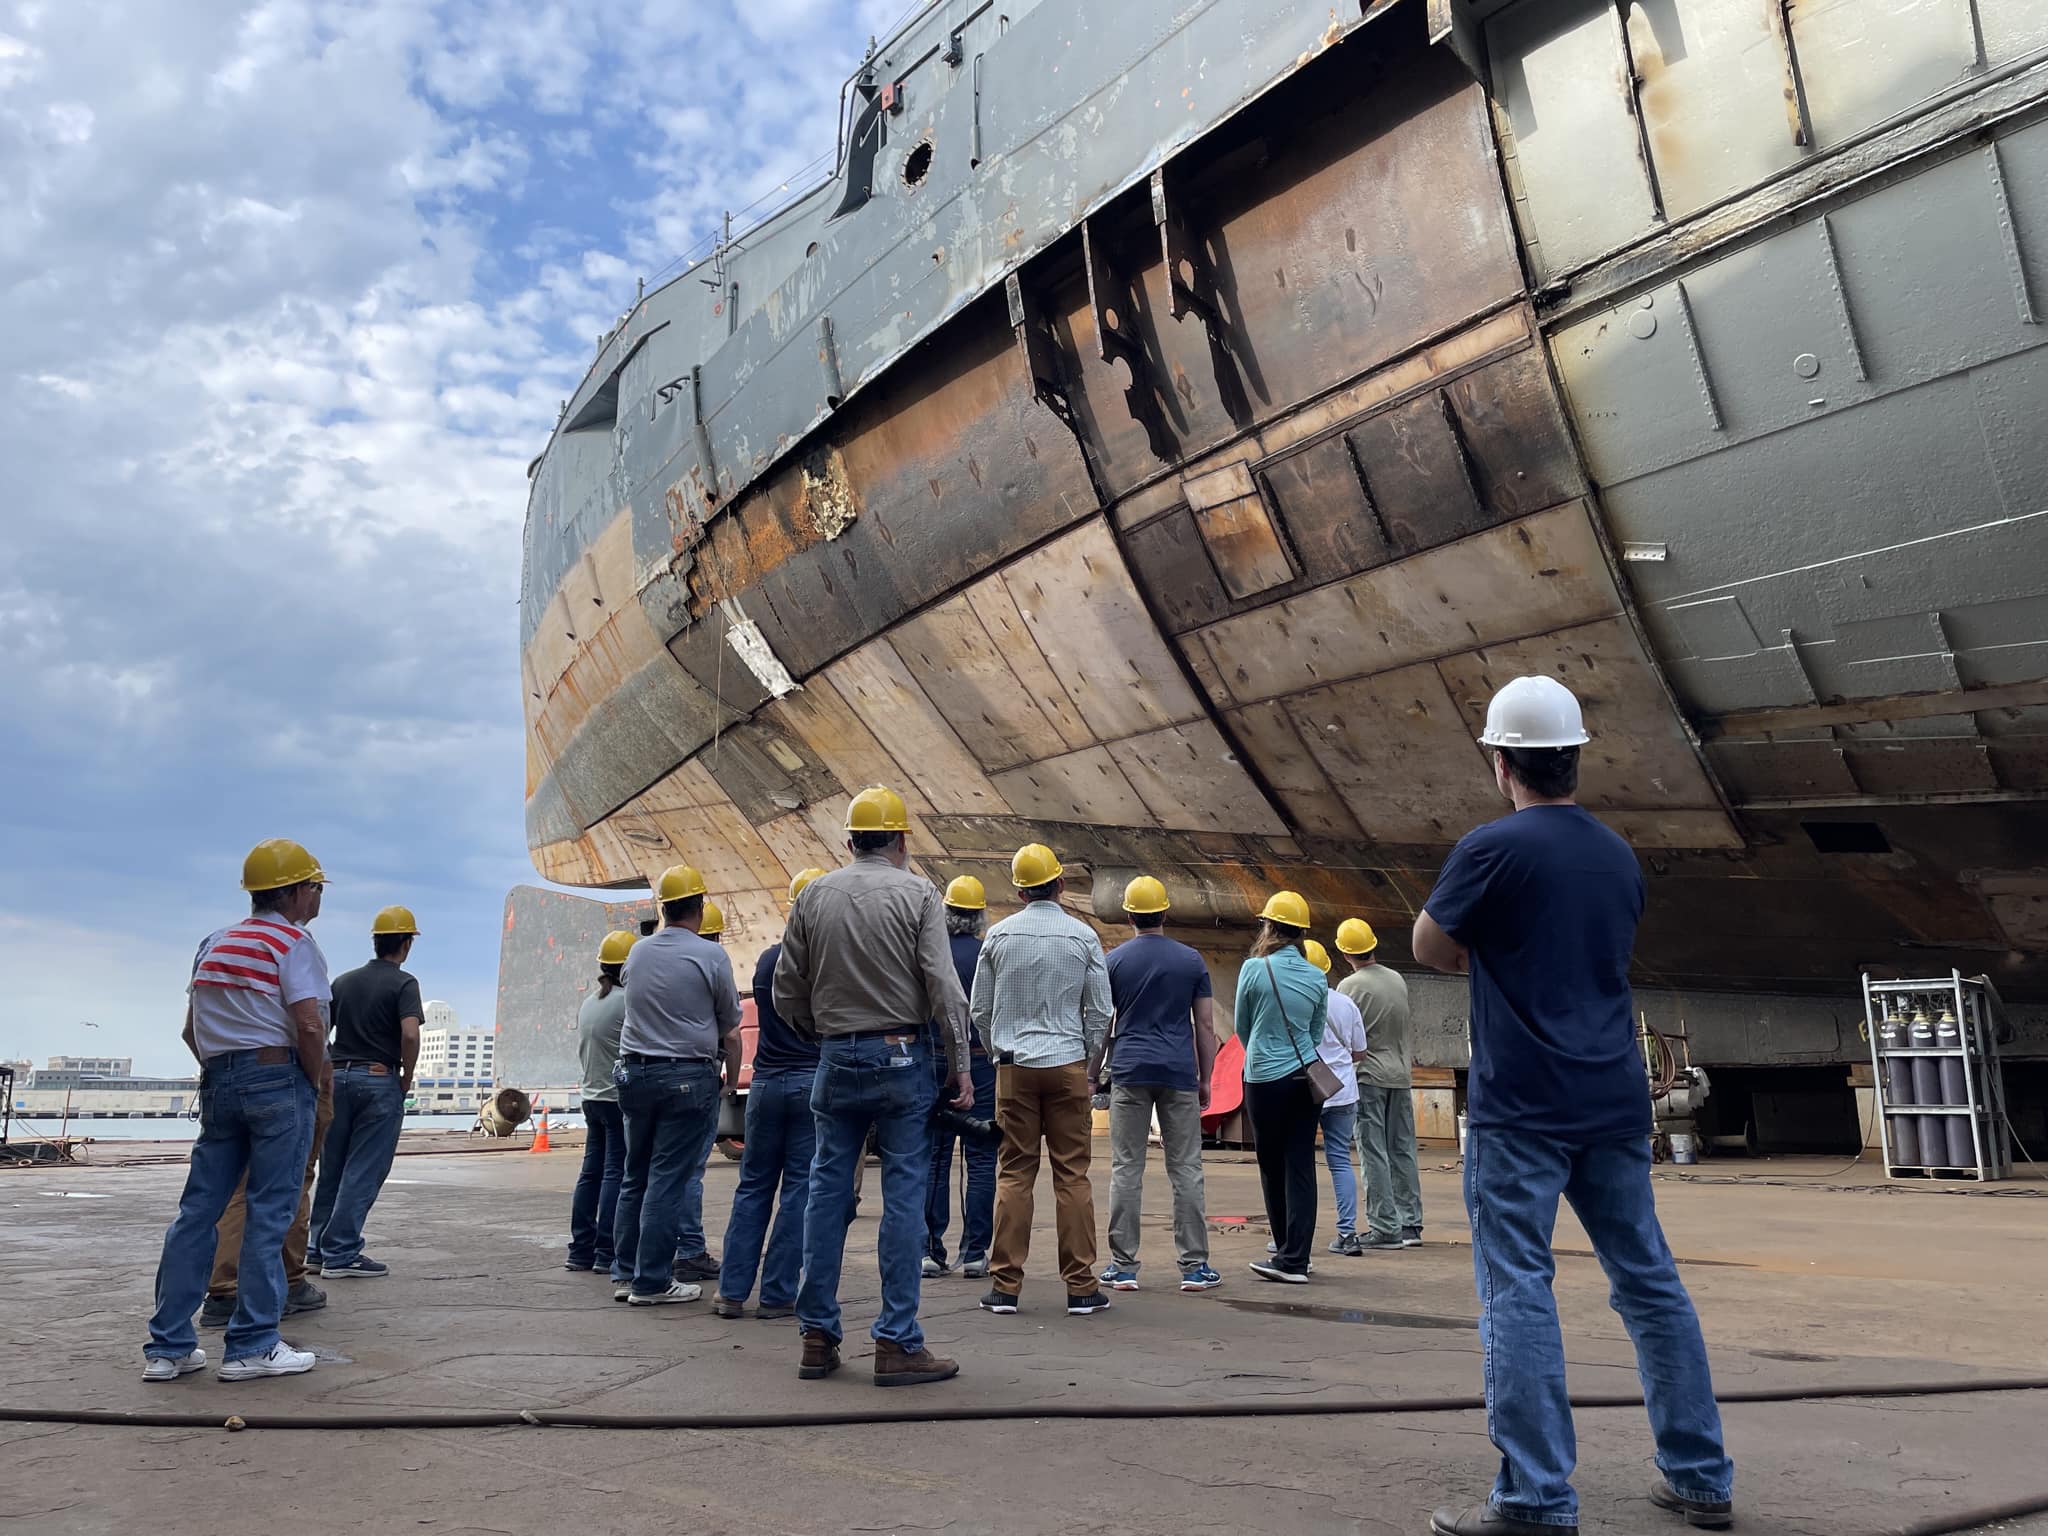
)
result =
(1382, 997)
(866, 950)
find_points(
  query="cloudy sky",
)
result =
(289, 294)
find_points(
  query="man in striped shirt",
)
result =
(256, 1024)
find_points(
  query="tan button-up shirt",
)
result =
(866, 950)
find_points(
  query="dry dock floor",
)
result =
(1805, 1274)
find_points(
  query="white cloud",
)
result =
(291, 291)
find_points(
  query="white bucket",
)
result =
(1684, 1149)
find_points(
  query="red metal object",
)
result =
(892, 96)
(1226, 1085)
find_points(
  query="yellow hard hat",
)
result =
(1145, 894)
(677, 882)
(1286, 908)
(277, 862)
(714, 921)
(613, 950)
(803, 878)
(1318, 956)
(1035, 864)
(1355, 937)
(967, 894)
(876, 809)
(395, 920)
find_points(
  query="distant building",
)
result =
(94, 1066)
(457, 1067)
(89, 1087)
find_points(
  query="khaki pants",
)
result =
(227, 1237)
(1049, 1105)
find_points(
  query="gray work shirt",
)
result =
(866, 950)
(680, 997)
(598, 1024)
(1041, 989)
(1382, 998)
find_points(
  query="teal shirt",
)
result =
(1273, 1047)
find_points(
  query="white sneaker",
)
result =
(933, 1268)
(282, 1360)
(164, 1369)
(623, 1292)
(678, 1290)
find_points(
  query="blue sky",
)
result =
(289, 294)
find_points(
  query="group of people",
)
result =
(1053, 1021)
(277, 1110)
(884, 1000)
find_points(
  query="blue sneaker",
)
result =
(1120, 1279)
(361, 1264)
(1200, 1278)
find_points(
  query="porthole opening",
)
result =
(917, 164)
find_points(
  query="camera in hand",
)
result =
(958, 1122)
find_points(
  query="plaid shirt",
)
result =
(1041, 990)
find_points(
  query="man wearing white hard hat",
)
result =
(1541, 907)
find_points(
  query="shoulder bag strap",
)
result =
(1285, 1021)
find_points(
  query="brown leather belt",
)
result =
(262, 1055)
(376, 1068)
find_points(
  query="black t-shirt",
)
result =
(777, 1047)
(368, 1003)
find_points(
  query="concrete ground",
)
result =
(1808, 1275)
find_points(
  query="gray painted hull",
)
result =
(1173, 421)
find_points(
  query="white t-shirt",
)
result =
(1343, 1033)
(264, 965)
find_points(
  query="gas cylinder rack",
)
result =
(1940, 1091)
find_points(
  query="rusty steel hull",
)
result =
(1183, 514)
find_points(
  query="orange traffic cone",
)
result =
(540, 1137)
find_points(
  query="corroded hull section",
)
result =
(1182, 509)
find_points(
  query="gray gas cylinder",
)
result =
(1962, 1152)
(1898, 1093)
(1927, 1088)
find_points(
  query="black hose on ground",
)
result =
(1949, 1523)
(925, 1411)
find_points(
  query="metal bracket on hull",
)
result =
(705, 467)
(1452, 25)
(1040, 352)
(1109, 296)
(1189, 281)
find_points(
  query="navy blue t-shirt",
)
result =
(1546, 901)
(1153, 984)
(777, 1047)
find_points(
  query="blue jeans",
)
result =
(690, 1242)
(1512, 1184)
(978, 1208)
(781, 1138)
(1339, 1120)
(255, 1119)
(857, 1087)
(595, 1204)
(671, 1109)
(369, 1112)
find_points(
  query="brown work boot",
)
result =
(896, 1366)
(821, 1357)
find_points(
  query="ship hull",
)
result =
(1739, 438)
